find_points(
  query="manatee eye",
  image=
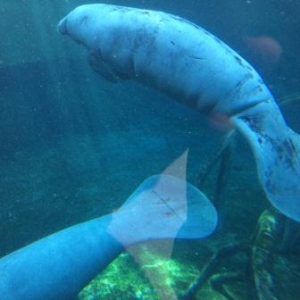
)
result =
(83, 20)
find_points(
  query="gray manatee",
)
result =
(193, 66)
(60, 265)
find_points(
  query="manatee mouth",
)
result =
(62, 26)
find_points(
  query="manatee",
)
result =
(193, 66)
(60, 265)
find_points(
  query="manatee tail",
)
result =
(277, 153)
(164, 207)
(60, 265)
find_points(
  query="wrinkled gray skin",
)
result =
(166, 52)
(191, 65)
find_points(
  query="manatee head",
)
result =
(73, 21)
(85, 24)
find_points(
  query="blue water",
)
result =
(73, 146)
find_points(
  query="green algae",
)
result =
(141, 274)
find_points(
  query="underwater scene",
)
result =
(150, 149)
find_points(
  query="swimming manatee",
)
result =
(60, 265)
(193, 66)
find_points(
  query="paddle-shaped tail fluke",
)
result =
(60, 265)
(277, 153)
(164, 207)
(201, 216)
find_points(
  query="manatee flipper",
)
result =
(108, 70)
(276, 149)
(101, 68)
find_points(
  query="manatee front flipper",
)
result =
(108, 70)
(276, 149)
(101, 68)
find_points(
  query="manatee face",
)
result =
(107, 33)
(70, 24)
(73, 24)
(80, 24)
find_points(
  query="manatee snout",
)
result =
(62, 26)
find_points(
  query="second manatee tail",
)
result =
(277, 153)
(164, 207)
